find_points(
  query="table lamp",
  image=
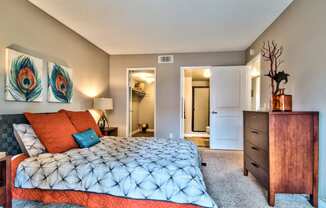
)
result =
(103, 104)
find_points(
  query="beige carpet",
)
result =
(230, 189)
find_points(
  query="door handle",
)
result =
(214, 112)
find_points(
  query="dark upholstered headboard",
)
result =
(8, 142)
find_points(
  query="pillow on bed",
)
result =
(54, 130)
(28, 141)
(86, 138)
(83, 120)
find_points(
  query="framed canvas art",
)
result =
(23, 77)
(60, 83)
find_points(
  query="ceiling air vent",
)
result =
(166, 59)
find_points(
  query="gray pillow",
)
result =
(27, 140)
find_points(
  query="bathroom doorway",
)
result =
(196, 105)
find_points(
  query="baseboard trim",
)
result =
(322, 203)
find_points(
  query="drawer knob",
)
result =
(254, 148)
(254, 132)
(254, 164)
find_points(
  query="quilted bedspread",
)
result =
(137, 168)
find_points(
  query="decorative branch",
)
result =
(272, 53)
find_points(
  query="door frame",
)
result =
(193, 107)
(181, 98)
(256, 73)
(127, 94)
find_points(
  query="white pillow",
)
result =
(27, 139)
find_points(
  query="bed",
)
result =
(117, 172)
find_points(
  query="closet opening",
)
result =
(141, 99)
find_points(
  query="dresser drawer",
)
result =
(256, 137)
(257, 154)
(257, 121)
(257, 171)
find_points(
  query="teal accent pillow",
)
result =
(86, 138)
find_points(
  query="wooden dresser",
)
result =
(281, 151)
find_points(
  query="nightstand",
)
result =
(110, 131)
(5, 182)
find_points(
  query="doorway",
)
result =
(229, 94)
(196, 96)
(141, 102)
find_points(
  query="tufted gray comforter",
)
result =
(137, 168)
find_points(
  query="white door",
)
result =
(228, 88)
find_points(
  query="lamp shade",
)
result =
(103, 103)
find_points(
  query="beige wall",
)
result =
(143, 108)
(135, 113)
(146, 106)
(26, 28)
(167, 85)
(301, 29)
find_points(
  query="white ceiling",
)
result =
(164, 26)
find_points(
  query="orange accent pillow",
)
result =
(54, 130)
(83, 120)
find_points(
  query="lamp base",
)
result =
(102, 122)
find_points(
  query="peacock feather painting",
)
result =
(24, 77)
(60, 84)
